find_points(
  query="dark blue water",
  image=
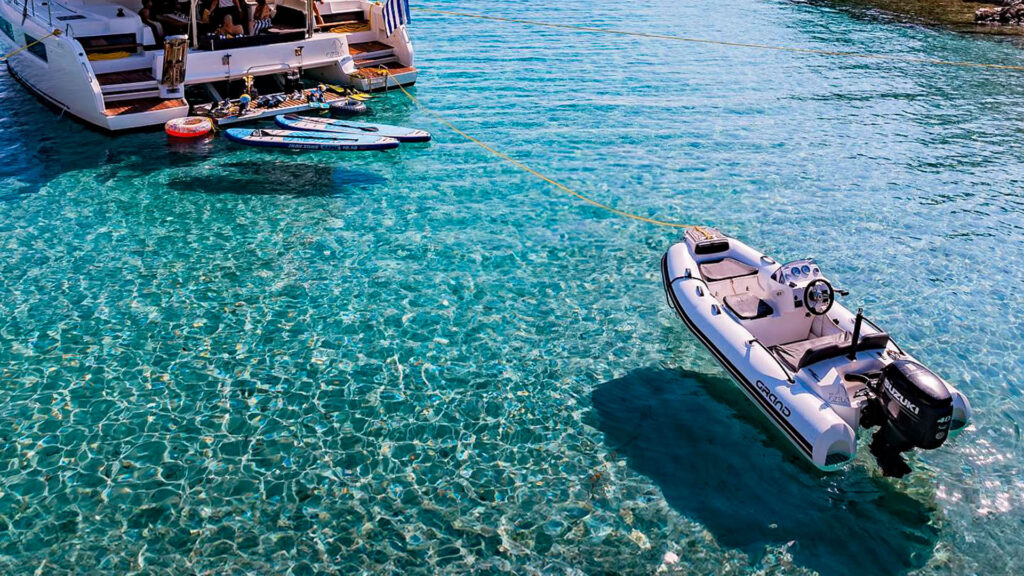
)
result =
(221, 360)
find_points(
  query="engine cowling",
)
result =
(917, 405)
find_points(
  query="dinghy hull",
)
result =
(821, 436)
(729, 292)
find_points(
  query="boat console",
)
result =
(810, 288)
(801, 271)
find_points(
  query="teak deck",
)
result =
(367, 47)
(142, 105)
(393, 67)
(129, 77)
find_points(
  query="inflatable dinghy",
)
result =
(296, 122)
(298, 140)
(818, 371)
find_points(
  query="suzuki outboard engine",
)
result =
(914, 409)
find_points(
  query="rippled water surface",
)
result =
(221, 360)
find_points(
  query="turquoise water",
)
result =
(215, 360)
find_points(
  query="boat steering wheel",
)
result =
(819, 296)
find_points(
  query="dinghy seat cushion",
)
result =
(725, 269)
(803, 352)
(748, 306)
(806, 352)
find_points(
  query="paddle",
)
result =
(341, 124)
(361, 96)
(260, 133)
(363, 128)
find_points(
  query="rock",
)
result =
(986, 15)
(1012, 14)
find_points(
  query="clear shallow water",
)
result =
(219, 360)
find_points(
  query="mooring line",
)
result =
(839, 53)
(522, 166)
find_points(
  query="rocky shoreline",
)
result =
(1003, 18)
(1007, 12)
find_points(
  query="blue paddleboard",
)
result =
(297, 140)
(336, 126)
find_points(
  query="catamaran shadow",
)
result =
(284, 177)
(716, 462)
(39, 150)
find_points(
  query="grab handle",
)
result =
(789, 375)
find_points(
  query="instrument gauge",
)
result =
(806, 269)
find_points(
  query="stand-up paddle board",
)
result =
(297, 140)
(336, 126)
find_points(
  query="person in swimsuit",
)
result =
(228, 7)
(205, 16)
(228, 28)
(148, 15)
(316, 13)
(261, 18)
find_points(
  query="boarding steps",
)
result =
(128, 85)
(372, 54)
(135, 92)
(350, 18)
(369, 58)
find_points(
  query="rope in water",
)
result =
(840, 53)
(522, 166)
(56, 32)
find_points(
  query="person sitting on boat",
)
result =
(148, 15)
(316, 13)
(226, 7)
(228, 28)
(261, 18)
(206, 16)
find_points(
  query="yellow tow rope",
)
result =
(56, 32)
(437, 116)
(840, 53)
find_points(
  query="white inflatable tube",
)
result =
(820, 435)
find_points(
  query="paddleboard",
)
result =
(336, 126)
(297, 140)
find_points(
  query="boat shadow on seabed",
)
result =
(699, 439)
(277, 177)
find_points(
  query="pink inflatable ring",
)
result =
(188, 127)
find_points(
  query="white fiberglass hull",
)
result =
(105, 67)
(59, 78)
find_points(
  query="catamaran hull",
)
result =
(58, 79)
(77, 73)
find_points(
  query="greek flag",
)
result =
(396, 14)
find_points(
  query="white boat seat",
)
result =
(748, 306)
(806, 352)
(725, 269)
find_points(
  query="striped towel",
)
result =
(396, 14)
(258, 26)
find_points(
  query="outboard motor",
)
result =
(914, 409)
